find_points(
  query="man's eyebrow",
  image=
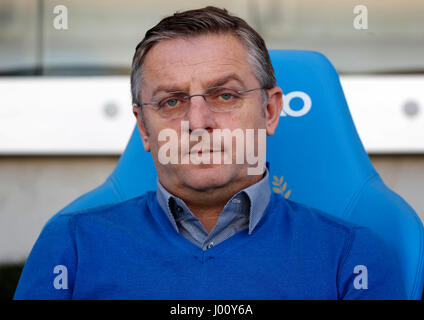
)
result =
(223, 80)
(212, 83)
(166, 89)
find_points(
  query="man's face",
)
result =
(193, 65)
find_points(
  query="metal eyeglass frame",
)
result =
(188, 97)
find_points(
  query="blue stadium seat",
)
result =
(316, 158)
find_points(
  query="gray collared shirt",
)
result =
(243, 210)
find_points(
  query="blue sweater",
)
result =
(130, 250)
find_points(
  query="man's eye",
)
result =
(226, 96)
(170, 103)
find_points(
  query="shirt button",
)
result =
(210, 245)
(179, 209)
(236, 201)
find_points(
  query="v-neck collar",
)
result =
(190, 248)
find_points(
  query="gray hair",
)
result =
(198, 22)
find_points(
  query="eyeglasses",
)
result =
(219, 99)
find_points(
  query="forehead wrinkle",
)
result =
(212, 64)
(213, 60)
(220, 67)
(216, 81)
(231, 58)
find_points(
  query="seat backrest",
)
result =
(316, 158)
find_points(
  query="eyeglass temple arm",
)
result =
(249, 90)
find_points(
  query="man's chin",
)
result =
(207, 176)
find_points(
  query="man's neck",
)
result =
(208, 205)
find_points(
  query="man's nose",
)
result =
(199, 115)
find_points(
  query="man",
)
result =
(212, 230)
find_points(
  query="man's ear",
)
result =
(273, 109)
(141, 128)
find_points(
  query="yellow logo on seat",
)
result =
(281, 189)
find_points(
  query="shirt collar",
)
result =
(258, 194)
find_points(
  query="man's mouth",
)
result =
(205, 151)
(202, 153)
